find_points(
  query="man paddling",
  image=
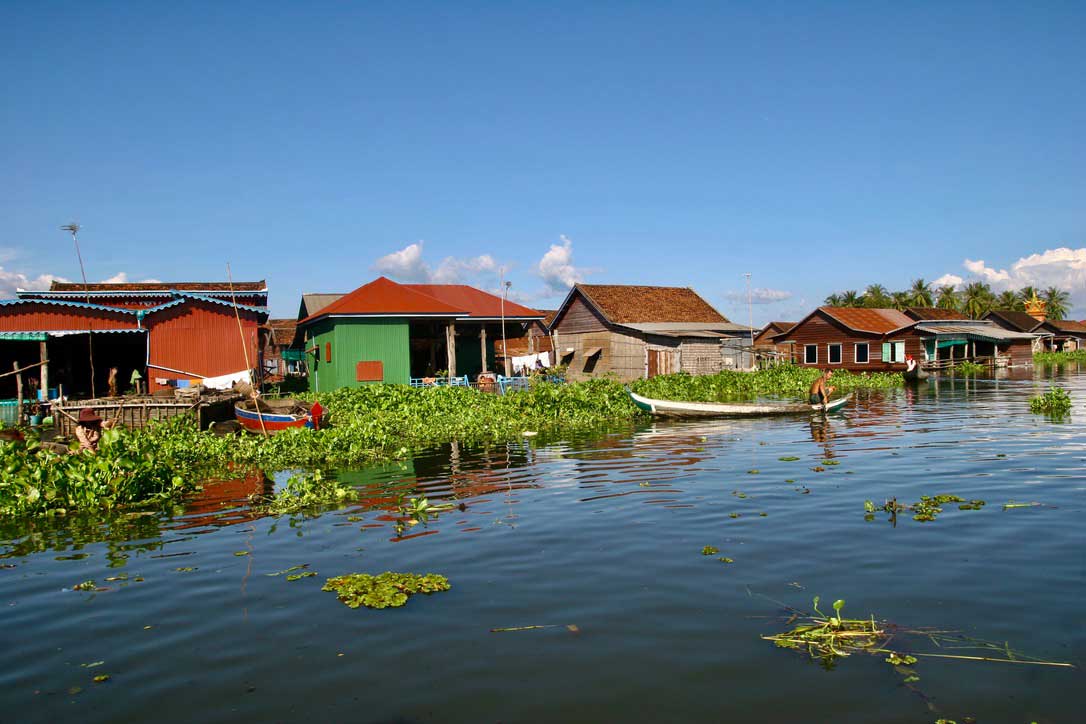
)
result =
(819, 394)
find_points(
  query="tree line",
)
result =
(974, 299)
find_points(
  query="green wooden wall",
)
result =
(354, 341)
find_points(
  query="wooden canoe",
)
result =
(272, 415)
(676, 408)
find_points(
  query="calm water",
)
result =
(603, 533)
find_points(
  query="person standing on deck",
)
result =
(820, 393)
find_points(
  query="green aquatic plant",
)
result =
(782, 381)
(85, 586)
(788, 459)
(924, 511)
(1059, 358)
(710, 551)
(1054, 402)
(385, 590)
(966, 367)
(303, 492)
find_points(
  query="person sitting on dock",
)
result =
(819, 393)
(88, 430)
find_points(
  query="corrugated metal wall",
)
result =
(354, 341)
(201, 339)
(51, 317)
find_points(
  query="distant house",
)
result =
(764, 345)
(531, 338)
(389, 332)
(1049, 334)
(643, 331)
(859, 339)
(276, 357)
(166, 331)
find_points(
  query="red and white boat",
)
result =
(273, 415)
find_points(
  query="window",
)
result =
(810, 354)
(863, 353)
(833, 352)
(893, 351)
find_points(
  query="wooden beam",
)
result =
(450, 342)
(482, 343)
(18, 394)
(44, 369)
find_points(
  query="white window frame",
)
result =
(841, 353)
(807, 347)
(856, 358)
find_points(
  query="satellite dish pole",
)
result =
(73, 228)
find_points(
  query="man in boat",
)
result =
(820, 393)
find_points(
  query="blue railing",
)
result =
(440, 381)
(508, 384)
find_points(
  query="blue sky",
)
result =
(818, 146)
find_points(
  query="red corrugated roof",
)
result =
(879, 321)
(475, 302)
(383, 296)
(129, 287)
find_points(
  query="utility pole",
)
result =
(73, 228)
(505, 351)
(750, 318)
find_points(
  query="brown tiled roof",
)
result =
(260, 286)
(934, 313)
(1019, 320)
(621, 303)
(282, 331)
(879, 321)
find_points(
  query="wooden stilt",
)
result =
(44, 370)
(18, 394)
(450, 340)
(482, 344)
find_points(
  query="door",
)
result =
(662, 362)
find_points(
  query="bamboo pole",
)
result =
(245, 351)
(19, 369)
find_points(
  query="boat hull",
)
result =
(268, 421)
(678, 409)
(914, 375)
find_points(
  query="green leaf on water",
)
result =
(838, 605)
(241, 553)
(788, 459)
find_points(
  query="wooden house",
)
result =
(277, 358)
(389, 332)
(642, 331)
(861, 339)
(164, 331)
(1061, 335)
(766, 348)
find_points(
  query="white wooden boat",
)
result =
(676, 408)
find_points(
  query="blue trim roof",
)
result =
(60, 303)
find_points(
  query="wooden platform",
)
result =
(135, 413)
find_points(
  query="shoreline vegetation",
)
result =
(161, 465)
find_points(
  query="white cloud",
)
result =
(11, 281)
(118, 278)
(1063, 267)
(405, 265)
(759, 295)
(557, 269)
(453, 271)
(948, 279)
(408, 265)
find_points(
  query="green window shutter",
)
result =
(885, 351)
(899, 351)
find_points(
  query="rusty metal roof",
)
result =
(1067, 326)
(1018, 320)
(130, 287)
(476, 302)
(933, 313)
(282, 331)
(623, 303)
(876, 321)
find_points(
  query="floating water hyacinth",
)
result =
(385, 590)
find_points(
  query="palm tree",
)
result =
(851, 299)
(1027, 293)
(977, 299)
(876, 297)
(902, 300)
(833, 300)
(920, 293)
(1058, 303)
(1008, 301)
(948, 298)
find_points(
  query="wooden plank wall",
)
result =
(818, 330)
